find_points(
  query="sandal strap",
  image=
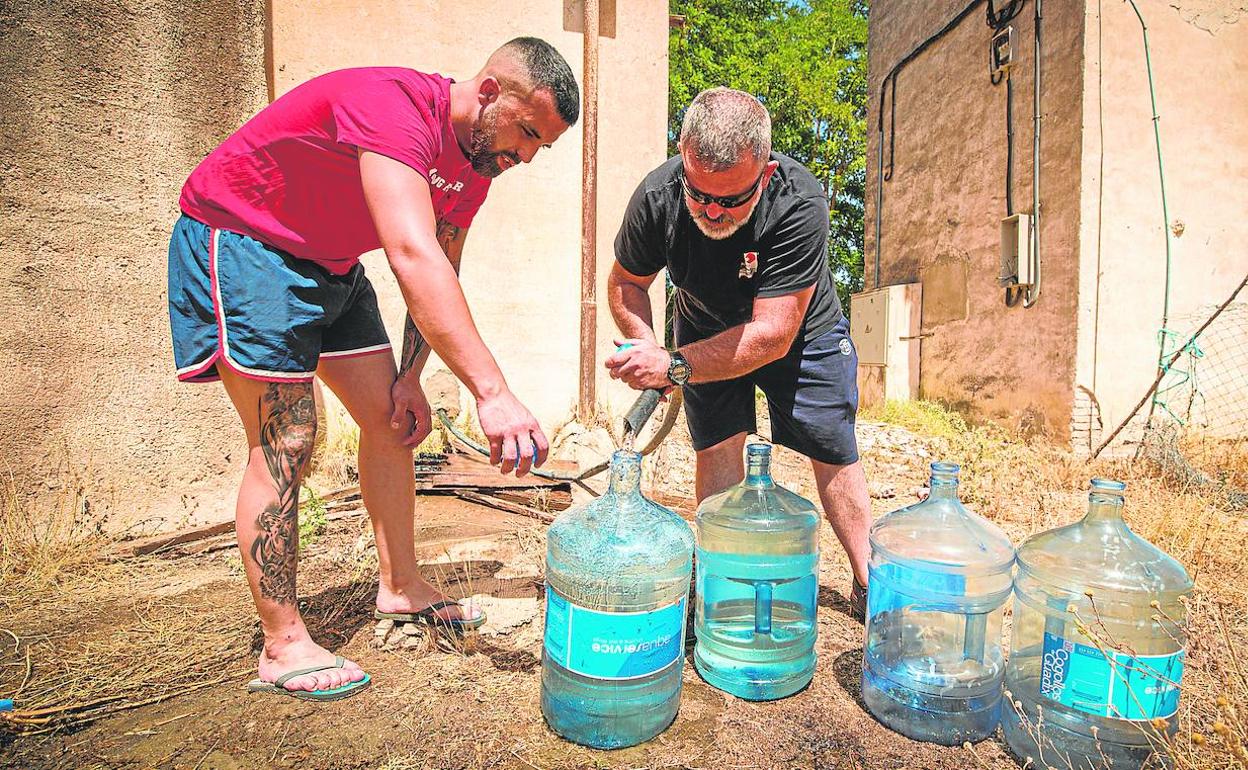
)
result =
(281, 681)
(433, 608)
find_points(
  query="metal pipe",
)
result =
(587, 396)
(1033, 291)
(879, 192)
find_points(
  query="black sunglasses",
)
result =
(727, 202)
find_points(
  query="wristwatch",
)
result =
(679, 371)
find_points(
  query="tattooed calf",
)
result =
(287, 433)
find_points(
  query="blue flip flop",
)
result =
(338, 693)
(429, 615)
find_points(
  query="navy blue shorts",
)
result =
(261, 312)
(812, 397)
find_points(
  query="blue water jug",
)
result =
(757, 584)
(1096, 657)
(617, 590)
(939, 579)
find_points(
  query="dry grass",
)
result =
(44, 538)
(923, 417)
(336, 462)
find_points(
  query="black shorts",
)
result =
(812, 397)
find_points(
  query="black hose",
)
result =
(641, 410)
(637, 416)
(1009, 146)
(892, 75)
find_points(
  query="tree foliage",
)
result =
(807, 62)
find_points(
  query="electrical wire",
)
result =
(888, 94)
(891, 78)
(999, 22)
(881, 175)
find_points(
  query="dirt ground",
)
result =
(433, 704)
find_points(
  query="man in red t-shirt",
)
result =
(266, 292)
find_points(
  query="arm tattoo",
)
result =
(413, 343)
(287, 431)
(413, 346)
(447, 233)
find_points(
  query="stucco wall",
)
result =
(1199, 58)
(105, 110)
(521, 264)
(943, 205)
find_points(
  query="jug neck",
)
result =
(944, 481)
(625, 473)
(1105, 501)
(758, 466)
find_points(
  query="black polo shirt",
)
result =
(715, 290)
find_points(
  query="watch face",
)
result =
(680, 371)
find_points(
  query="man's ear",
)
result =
(489, 91)
(768, 170)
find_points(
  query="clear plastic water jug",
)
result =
(617, 590)
(939, 579)
(1098, 643)
(757, 584)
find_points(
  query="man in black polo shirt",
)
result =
(743, 233)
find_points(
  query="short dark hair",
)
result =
(549, 70)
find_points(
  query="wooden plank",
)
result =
(543, 499)
(504, 505)
(147, 545)
(687, 507)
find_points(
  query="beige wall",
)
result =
(1199, 58)
(943, 206)
(104, 113)
(521, 266)
(105, 110)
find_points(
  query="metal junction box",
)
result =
(885, 326)
(1016, 250)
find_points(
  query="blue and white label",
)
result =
(1120, 686)
(613, 645)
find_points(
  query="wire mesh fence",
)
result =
(1196, 429)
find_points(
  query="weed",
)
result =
(924, 417)
(312, 518)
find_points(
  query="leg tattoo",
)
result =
(287, 432)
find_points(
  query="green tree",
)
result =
(807, 62)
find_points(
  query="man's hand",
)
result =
(642, 365)
(411, 409)
(515, 437)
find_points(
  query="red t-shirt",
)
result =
(290, 177)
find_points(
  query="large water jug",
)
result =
(1098, 643)
(939, 579)
(758, 556)
(617, 591)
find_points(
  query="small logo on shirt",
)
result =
(749, 265)
(442, 183)
(845, 347)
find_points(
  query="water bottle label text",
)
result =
(613, 645)
(1117, 685)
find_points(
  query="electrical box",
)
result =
(1001, 52)
(885, 328)
(1016, 251)
(869, 322)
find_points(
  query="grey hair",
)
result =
(721, 124)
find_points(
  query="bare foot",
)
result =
(416, 596)
(276, 661)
